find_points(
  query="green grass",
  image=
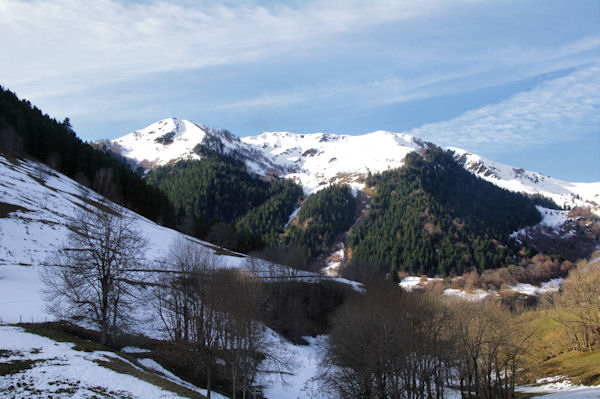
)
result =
(549, 353)
(582, 368)
(84, 340)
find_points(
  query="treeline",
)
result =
(225, 201)
(544, 201)
(323, 216)
(388, 343)
(26, 131)
(215, 317)
(433, 217)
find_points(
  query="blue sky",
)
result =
(514, 81)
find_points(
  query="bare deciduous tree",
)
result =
(243, 339)
(488, 344)
(88, 279)
(388, 344)
(211, 313)
(186, 305)
(577, 306)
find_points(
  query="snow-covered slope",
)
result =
(520, 180)
(173, 139)
(35, 205)
(59, 371)
(319, 159)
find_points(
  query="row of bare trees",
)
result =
(210, 314)
(392, 344)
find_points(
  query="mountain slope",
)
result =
(433, 217)
(319, 159)
(520, 180)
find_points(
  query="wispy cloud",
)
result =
(87, 43)
(558, 110)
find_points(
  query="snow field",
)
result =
(60, 371)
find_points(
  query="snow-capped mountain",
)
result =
(317, 160)
(172, 139)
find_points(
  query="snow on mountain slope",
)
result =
(520, 180)
(35, 204)
(162, 141)
(317, 160)
(173, 139)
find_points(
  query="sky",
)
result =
(514, 81)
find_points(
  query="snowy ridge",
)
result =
(317, 160)
(173, 139)
(520, 180)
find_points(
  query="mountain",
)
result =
(434, 217)
(318, 160)
(172, 139)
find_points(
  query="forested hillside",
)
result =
(219, 191)
(432, 216)
(26, 131)
(323, 216)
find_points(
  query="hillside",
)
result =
(218, 192)
(25, 130)
(317, 161)
(34, 216)
(433, 217)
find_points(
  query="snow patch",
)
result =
(475, 296)
(560, 387)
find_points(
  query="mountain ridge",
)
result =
(317, 160)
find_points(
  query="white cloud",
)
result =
(555, 111)
(86, 43)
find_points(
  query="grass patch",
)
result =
(582, 368)
(550, 354)
(6, 209)
(98, 205)
(122, 367)
(8, 353)
(16, 366)
(84, 340)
